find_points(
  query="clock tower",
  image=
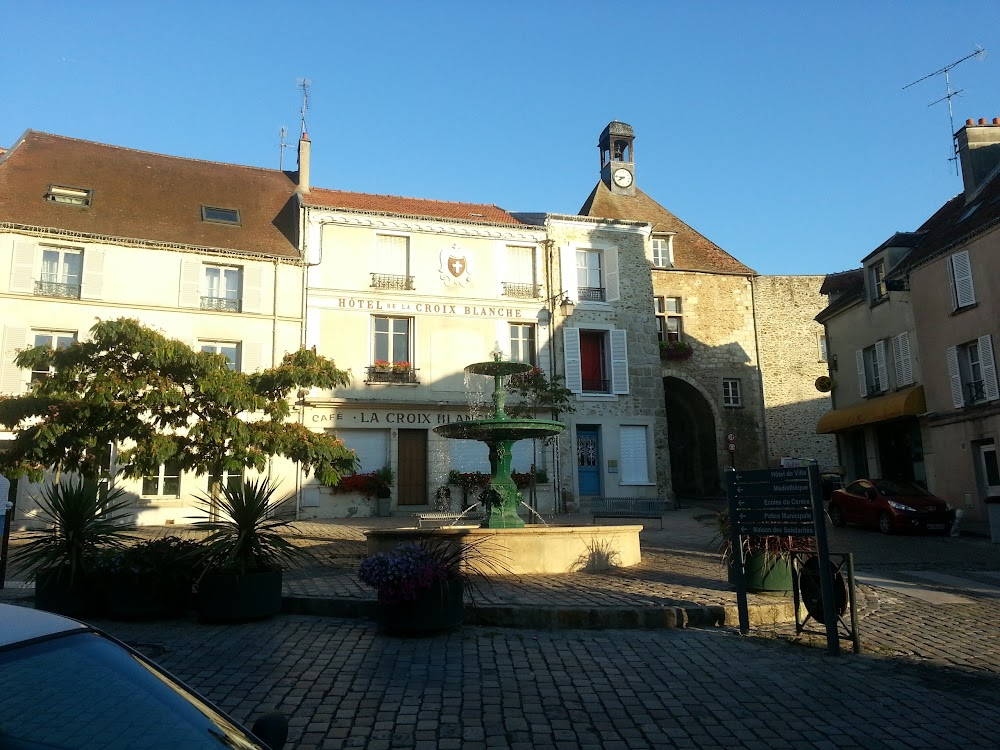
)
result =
(617, 158)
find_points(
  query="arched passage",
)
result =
(694, 464)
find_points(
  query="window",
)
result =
(69, 195)
(227, 349)
(731, 395)
(873, 378)
(960, 275)
(634, 459)
(165, 483)
(220, 215)
(596, 362)
(663, 252)
(520, 273)
(669, 322)
(878, 289)
(392, 262)
(53, 340)
(821, 339)
(222, 288)
(973, 373)
(901, 358)
(230, 479)
(588, 275)
(522, 343)
(391, 352)
(62, 273)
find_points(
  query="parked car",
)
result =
(890, 506)
(67, 685)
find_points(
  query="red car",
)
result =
(890, 506)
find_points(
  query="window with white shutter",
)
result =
(372, 447)
(961, 280)
(901, 358)
(634, 458)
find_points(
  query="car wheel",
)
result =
(836, 515)
(885, 522)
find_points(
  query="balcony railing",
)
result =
(55, 289)
(226, 304)
(976, 390)
(592, 293)
(391, 281)
(596, 386)
(521, 290)
(383, 375)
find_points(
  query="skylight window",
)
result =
(969, 212)
(69, 195)
(220, 215)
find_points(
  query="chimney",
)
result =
(305, 145)
(978, 146)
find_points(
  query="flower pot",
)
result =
(55, 593)
(437, 608)
(766, 573)
(132, 597)
(228, 597)
(384, 506)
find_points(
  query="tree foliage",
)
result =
(533, 392)
(163, 401)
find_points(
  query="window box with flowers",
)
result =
(382, 371)
(675, 350)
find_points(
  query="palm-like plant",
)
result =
(244, 538)
(80, 523)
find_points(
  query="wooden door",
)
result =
(412, 468)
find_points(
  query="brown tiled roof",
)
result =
(842, 281)
(479, 213)
(692, 250)
(145, 196)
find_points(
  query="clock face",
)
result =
(622, 177)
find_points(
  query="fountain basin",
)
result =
(527, 551)
(494, 430)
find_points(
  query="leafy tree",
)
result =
(163, 401)
(534, 392)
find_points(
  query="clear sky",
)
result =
(780, 130)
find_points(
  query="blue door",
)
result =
(588, 460)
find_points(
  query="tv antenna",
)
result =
(304, 84)
(980, 53)
(281, 149)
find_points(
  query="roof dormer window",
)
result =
(220, 215)
(69, 195)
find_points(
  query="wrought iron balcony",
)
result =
(55, 289)
(976, 390)
(391, 281)
(591, 293)
(520, 290)
(226, 304)
(596, 386)
(392, 375)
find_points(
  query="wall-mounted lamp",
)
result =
(566, 305)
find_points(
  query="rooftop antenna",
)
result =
(980, 53)
(281, 150)
(304, 84)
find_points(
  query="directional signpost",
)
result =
(778, 502)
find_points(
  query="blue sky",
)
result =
(780, 130)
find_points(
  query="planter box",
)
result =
(54, 593)
(227, 597)
(131, 598)
(441, 607)
(766, 574)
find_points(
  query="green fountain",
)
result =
(501, 497)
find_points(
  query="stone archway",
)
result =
(694, 463)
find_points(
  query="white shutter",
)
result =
(501, 267)
(391, 254)
(957, 395)
(12, 377)
(961, 268)
(372, 447)
(988, 363)
(252, 281)
(619, 361)
(571, 353)
(883, 371)
(22, 268)
(611, 292)
(859, 357)
(251, 356)
(567, 264)
(503, 337)
(634, 466)
(92, 284)
(190, 289)
(901, 355)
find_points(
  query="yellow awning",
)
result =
(905, 403)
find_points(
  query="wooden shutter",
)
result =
(634, 454)
(988, 363)
(571, 354)
(901, 357)
(12, 377)
(503, 337)
(961, 269)
(92, 284)
(619, 361)
(190, 287)
(883, 371)
(611, 289)
(957, 394)
(859, 357)
(251, 356)
(252, 282)
(567, 264)
(22, 268)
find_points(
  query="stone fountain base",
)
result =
(531, 550)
